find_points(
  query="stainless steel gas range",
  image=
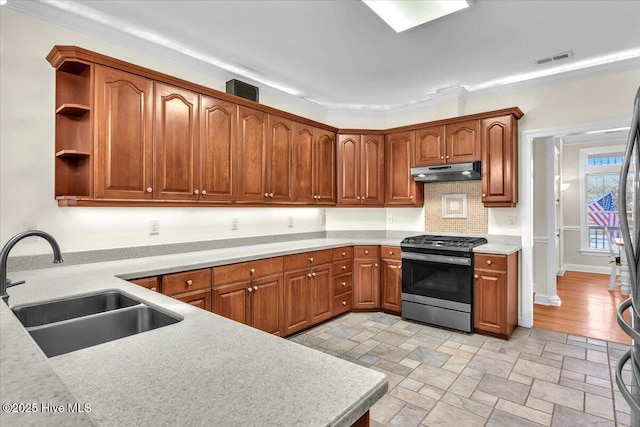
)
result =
(437, 280)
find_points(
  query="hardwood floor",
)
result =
(588, 308)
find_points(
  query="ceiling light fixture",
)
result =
(404, 14)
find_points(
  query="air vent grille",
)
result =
(554, 58)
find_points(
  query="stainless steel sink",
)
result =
(68, 325)
(56, 311)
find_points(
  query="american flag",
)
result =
(601, 211)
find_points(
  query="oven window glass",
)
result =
(437, 280)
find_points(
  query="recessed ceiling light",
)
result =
(404, 14)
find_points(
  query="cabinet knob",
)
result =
(399, 267)
(447, 157)
(442, 157)
(358, 197)
(270, 194)
(189, 282)
(308, 274)
(249, 289)
(154, 289)
(313, 274)
(255, 288)
(343, 283)
(252, 270)
(266, 194)
(310, 259)
(475, 276)
(149, 189)
(489, 261)
(410, 197)
(344, 303)
(375, 265)
(196, 192)
(344, 267)
(204, 192)
(366, 252)
(390, 252)
(344, 254)
(484, 195)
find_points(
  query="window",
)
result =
(599, 204)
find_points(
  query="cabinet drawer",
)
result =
(343, 253)
(246, 270)
(342, 267)
(342, 284)
(188, 281)
(390, 252)
(341, 303)
(490, 262)
(366, 251)
(307, 259)
(151, 283)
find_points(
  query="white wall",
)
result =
(27, 147)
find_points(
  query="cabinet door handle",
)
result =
(313, 274)
(489, 261)
(255, 288)
(475, 276)
(410, 197)
(399, 267)
(149, 189)
(266, 194)
(344, 283)
(252, 271)
(441, 157)
(249, 289)
(375, 265)
(447, 157)
(366, 252)
(358, 197)
(204, 192)
(484, 195)
(308, 274)
(344, 254)
(344, 303)
(270, 194)
(310, 259)
(390, 252)
(189, 282)
(344, 267)
(196, 192)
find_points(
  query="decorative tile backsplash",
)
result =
(476, 220)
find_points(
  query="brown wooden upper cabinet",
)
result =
(360, 169)
(124, 132)
(451, 143)
(500, 161)
(265, 149)
(400, 187)
(315, 165)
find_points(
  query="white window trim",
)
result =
(584, 169)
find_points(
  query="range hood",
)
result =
(451, 172)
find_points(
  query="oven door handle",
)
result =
(442, 259)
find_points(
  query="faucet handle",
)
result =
(10, 283)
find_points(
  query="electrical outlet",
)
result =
(234, 223)
(512, 221)
(290, 222)
(154, 227)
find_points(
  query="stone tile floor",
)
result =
(440, 377)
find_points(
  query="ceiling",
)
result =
(341, 55)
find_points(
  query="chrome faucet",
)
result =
(6, 283)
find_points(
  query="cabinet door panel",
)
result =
(231, 301)
(372, 167)
(252, 155)
(124, 119)
(499, 164)
(430, 146)
(200, 299)
(218, 122)
(366, 286)
(400, 187)
(325, 167)
(349, 169)
(321, 285)
(267, 304)
(391, 283)
(463, 142)
(280, 164)
(489, 301)
(296, 301)
(176, 135)
(303, 161)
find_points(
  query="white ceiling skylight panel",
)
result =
(404, 14)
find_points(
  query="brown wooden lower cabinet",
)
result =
(254, 302)
(391, 278)
(151, 283)
(366, 278)
(307, 297)
(495, 294)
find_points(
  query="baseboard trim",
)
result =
(587, 268)
(547, 299)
